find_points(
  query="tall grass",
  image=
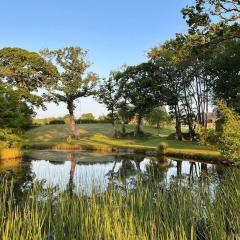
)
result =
(145, 212)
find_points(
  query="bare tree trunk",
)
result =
(114, 129)
(178, 123)
(72, 122)
(138, 126)
(123, 128)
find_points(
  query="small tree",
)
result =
(125, 114)
(87, 116)
(109, 94)
(230, 140)
(158, 116)
(73, 82)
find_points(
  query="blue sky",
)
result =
(115, 32)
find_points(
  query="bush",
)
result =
(9, 139)
(229, 143)
(57, 121)
(208, 137)
(162, 149)
(87, 121)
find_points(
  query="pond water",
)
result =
(85, 171)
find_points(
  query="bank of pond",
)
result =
(93, 195)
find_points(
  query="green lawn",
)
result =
(101, 135)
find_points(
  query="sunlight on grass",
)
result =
(99, 137)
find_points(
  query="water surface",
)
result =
(84, 171)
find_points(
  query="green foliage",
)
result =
(14, 113)
(87, 116)
(224, 67)
(9, 139)
(73, 81)
(230, 140)
(57, 121)
(215, 20)
(26, 72)
(208, 137)
(158, 116)
(109, 94)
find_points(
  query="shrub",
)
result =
(9, 138)
(162, 148)
(207, 137)
(57, 121)
(229, 143)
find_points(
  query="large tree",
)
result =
(186, 81)
(142, 89)
(73, 82)
(224, 68)
(26, 72)
(14, 114)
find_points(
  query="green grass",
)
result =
(177, 212)
(99, 136)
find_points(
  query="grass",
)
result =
(10, 153)
(176, 212)
(99, 136)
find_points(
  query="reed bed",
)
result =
(147, 211)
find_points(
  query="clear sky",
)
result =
(115, 32)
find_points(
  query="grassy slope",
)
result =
(101, 135)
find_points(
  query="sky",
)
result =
(115, 32)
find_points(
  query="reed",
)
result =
(145, 212)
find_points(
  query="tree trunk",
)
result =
(178, 124)
(123, 128)
(114, 129)
(138, 126)
(72, 122)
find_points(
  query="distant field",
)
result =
(92, 134)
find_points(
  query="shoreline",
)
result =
(194, 154)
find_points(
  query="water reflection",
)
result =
(82, 171)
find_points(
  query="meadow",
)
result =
(100, 137)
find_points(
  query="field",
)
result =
(99, 136)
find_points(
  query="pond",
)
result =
(87, 171)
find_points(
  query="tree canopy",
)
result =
(73, 81)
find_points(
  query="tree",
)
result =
(125, 114)
(14, 114)
(201, 14)
(169, 68)
(87, 116)
(141, 89)
(26, 72)
(109, 94)
(223, 68)
(230, 139)
(213, 21)
(187, 83)
(73, 81)
(158, 116)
